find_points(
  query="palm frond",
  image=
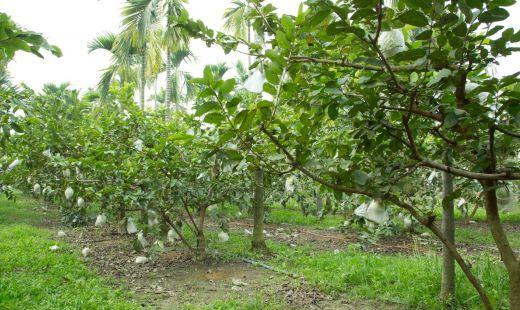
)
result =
(104, 42)
(218, 69)
(181, 55)
(138, 17)
(174, 36)
(106, 80)
(236, 19)
(242, 72)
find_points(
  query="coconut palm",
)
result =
(122, 67)
(141, 30)
(176, 41)
(237, 21)
(137, 49)
(179, 87)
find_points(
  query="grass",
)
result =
(412, 281)
(33, 277)
(480, 215)
(483, 237)
(19, 212)
(255, 304)
(279, 215)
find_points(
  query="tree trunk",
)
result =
(167, 95)
(514, 294)
(201, 239)
(142, 77)
(319, 205)
(258, 241)
(155, 103)
(144, 219)
(448, 229)
(249, 62)
(328, 205)
(507, 254)
(121, 218)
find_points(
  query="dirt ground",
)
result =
(173, 279)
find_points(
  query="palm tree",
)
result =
(218, 70)
(237, 21)
(178, 87)
(176, 41)
(141, 30)
(123, 63)
(137, 50)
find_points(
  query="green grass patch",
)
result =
(20, 211)
(279, 215)
(413, 281)
(480, 215)
(258, 303)
(483, 237)
(33, 277)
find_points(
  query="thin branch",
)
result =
(347, 64)
(167, 219)
(415, 110)
(426, 221)
(506, 132)
(184, 204)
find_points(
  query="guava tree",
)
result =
(13, 39)
(390, 107)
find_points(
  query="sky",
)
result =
(71, 24)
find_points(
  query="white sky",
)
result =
(70, 24)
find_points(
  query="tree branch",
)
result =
(426, 221)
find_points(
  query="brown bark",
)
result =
(258, 241)
(514, 294)
(448, 229)
(201, 239)
(426, 221)
(121, 220)
(319, 204)
(509, 257)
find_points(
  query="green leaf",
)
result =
(214, 118)
(362, 13)
(208, 75)
(282, 40)
(493, 15)
(414, 18)
(474, 4)
(360, 177)
(333, 111)
(227, 86)
(425, 35)
(264, 104)
(205, 107)
(318, 17)
(410, 55)
(270, 89)
(288, 25)
(416, 4)
(450, 120)
(438, 76)
(275, 57)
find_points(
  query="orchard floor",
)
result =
(310, 267)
